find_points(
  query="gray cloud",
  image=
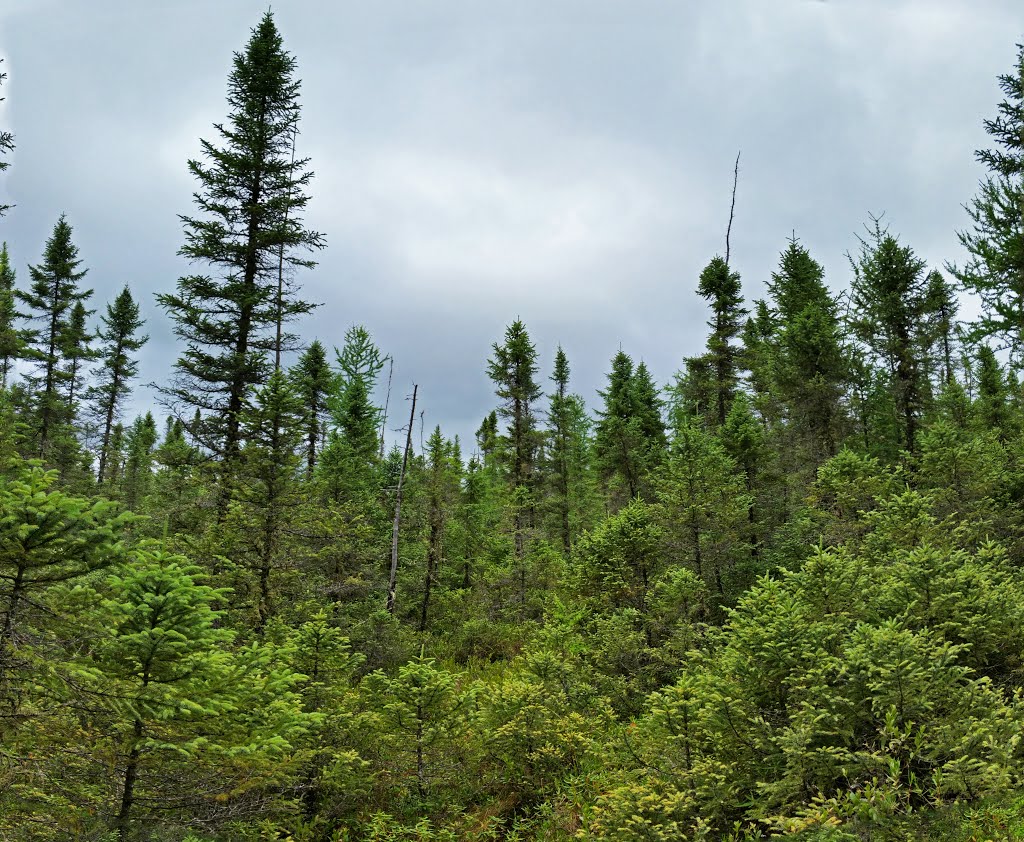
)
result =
(566, 163)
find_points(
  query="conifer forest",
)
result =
(779, 597)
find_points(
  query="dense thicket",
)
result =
(780, 598)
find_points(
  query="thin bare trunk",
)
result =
(393, 577)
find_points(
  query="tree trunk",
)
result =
(393, 576)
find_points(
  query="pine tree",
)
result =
(12, 339)
(6, 145)
(313, 380)
(51, 298)
(120, 336)
(250, 197)
(995, 270)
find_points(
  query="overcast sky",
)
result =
(568, 162)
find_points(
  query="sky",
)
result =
(566, 163)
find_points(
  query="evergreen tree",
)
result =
(995, 270)
(138, 468)
(705, 508)
(992, 403)
(513, 368)
(721, 287)
(119, 334)
(182, 710)
(890, 316)
(76, 350)
(629, 437)
(352, 452)
(313, 380)
(12, 339)
(52, 298)
(811, 367)
(443, 468)
(559, 432)
(943, 308)
(251, 194)
(267, 492)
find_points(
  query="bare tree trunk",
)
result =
(393, 577)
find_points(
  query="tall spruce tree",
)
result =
(559, 433)
(995, 270)
(77, 351)
(313, 381)
(513, 368)
(721, 287)
(629, 437)
(250, 197)
(890, 315)
(51, 299)
(120, 336)
(12, 339)
(811, 368)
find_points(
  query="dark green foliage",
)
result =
(811, 369)
(629, 438)
(314, 382)
(250, 197)
(137, 479)
(721, 287)
(513, 368)
(13, 340)
(51, 300)
(891, 309)
(119, 334)
(995, 270)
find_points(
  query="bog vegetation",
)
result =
(780, 597)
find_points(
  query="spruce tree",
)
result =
(138, 468)
(559, 432)
(12, 339)
(513, 368)
(943, 308)
(119, 334)
(721, 287)
(811, 367)
(313, 381)
(995, 270)
(77, 351)
(890, 314)
(629, 437)
(51, 299)
(267, 487)
(352, 453)
(251, 192)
